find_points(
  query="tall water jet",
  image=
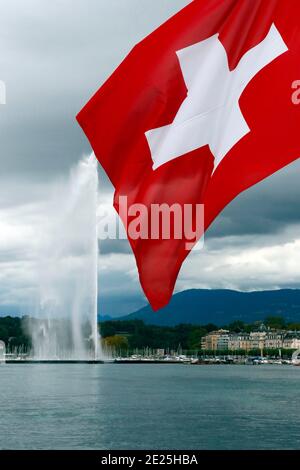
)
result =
(2, 352)
(65, 326)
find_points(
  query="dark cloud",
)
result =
(268, 207)
(53, 57)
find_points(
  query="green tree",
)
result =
(194, 338)
(116, 342)
(236, 326)
(277, 323)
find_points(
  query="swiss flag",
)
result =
(198, 112)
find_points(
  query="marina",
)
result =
(229, 360)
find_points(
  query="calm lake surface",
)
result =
(114, 406)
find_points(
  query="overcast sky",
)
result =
(53, 56)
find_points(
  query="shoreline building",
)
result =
(216, 340)
(274, 340)
(238, 341)
(291, 341)
(222, 340)
(257, 339)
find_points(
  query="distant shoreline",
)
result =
(142, 361)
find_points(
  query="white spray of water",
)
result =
(68, 265)
(2, 352)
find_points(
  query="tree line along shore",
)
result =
(128, 336)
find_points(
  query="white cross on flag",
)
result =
(198, 112)
(210, 114)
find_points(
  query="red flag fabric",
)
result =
(198, 112)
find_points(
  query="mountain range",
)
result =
(203, 306)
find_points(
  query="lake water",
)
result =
(114, 406)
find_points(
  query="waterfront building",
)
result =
(222, 343)
(291, 341)
(274, 340)
(268, 339)
(215, 340)
(257, 339)
(239, 341)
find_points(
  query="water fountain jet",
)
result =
(66, 323)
